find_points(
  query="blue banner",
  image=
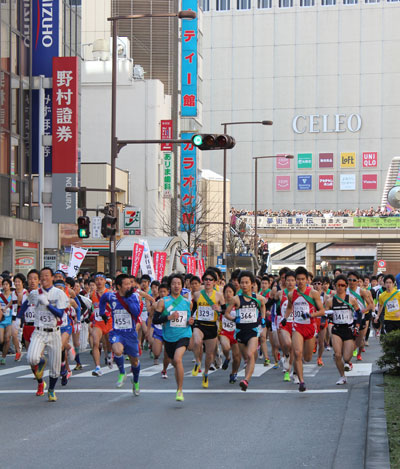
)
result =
(45, 46)
(304, 183)
(188, 185)
(189, 62)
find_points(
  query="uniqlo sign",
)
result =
(326, 160)
(326, 182)
(370, 160)
(369, 182)
(166, 133)
(65, 138)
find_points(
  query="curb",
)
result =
(376, 441)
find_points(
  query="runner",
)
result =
(18, 297)
(389, 306)
(227, 337)
(286, 325)
(125, 311)
(142, 332)
(5, 318)
(247, 306)
(207, 304)
(173, 312)
(265, 292)
(342, 308)
(321, 322)
(306, 306)
(27, 310)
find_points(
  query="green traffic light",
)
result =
(197, 140)
(83, 233)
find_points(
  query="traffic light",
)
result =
(108, 226)
(84, 227)
(213, 141)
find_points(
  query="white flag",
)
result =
(77, 256)
(146, 264)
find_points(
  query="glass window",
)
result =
(14, 20)
(205, 5)
(285, 3)
(243, 4)
(5, 47)
(306, 3)
(4, 195)
(372, 1)
(15, 111)
(350, 2)
(327, 3)
(264, 4)
(393, 0)
(223, 5)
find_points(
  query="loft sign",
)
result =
(325, 123)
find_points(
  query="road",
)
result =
(272, 425)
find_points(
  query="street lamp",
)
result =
(256, 158)
(225, 124)
(185, 14)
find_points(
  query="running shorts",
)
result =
(158, 334)
(230, 335)
(128, 341)
(210, 332)
(243, 336)
(171, 347)
(27, 331)
(105, 328)
(288, 327)
(306, 330)
(343, 331)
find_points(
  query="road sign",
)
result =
(96, 227)
(381, 264)
(184, 258)
(219, 260)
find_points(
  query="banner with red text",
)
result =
(201, 267)
(159, 261)
(76, 259)
(137, 253)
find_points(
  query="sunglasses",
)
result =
(208, 279)
(341, 285)
(352, 280)
(317, 283)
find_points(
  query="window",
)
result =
(285, 3)
(393, 0)
(243, 4)
(223, 5)
(350, 2)
(372, 1)
(205, 5)
(264, 4)
(328, 3)
(306, 3)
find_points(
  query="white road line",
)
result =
(15, 369)
(310, 370)
(259, 370)
(360, 369)
(185, 391)
(46, 374)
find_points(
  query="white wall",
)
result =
(94, 23)
(141, 105)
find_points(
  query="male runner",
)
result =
(125, 311)
(286, 324)
(321, 322)
(5, 318)
(265, 292)
(173, 312)
(389, 305)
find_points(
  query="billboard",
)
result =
(304, 183)
(189, 62)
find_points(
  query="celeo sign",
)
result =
(325, 123)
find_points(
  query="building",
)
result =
(326, 72)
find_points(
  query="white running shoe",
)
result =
(109, 362)
(295, 378)
(97, 371)
(285, 363)
(341, 381)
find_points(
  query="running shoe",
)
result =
(2, 361)
(225, 364)
(276, 366)
(315, 347)
(355, 353)
(366, 344)
(233, 378)
(78, 367)
(196, 370)
(155, 361)
(97, 371)
(204, 383)
(64, 378)
(71, 354)
(363, 350)
(109, 362)
(302, 387)
(51, 395)
(18, 356)
(41, 388)
(40, 368)
(212, 367)
(359, 357)
(243, 385)
(328, 348)
(341, 381)
(135, 388)
(179, 396)
(151, 354)
(164, 374)
(121, 380)
(347, 366)
(320, 362)
(218, 362)
(279, 356)
(267, 362)
(295, 378)
(286, 376)
(285, 363)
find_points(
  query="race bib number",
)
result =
(392, 306)
(343, 317)
(29, 315)
(122, 320)
(205, 313)
(64, 320)
(300, 307)
(97, 316)
(46, 319)
(228, 325)
(248, 315)
(14, 310)
(181, 321)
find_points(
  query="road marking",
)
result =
(310, 370)
(186, 391)
(46, 374)
(259, 370)
(15, 369)
(188, 374)
(360, 369)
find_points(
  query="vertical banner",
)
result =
(166, 133)
(168, 176)
(201, 267)
(76, 259)
(191, 265)
(146, 264)
(65, 138)
(188, 184)
(160, 261)
(137, 253)
(45, 46)
(189, 62)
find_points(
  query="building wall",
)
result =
(276, 63)
(94, 24)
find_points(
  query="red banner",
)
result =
(166, 133)
(201, 267)
(159, 261)
(191, 265)
(137, 253)
(65, 115)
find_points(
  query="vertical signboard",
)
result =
(188, 184)
(166, 133)
(348, 160)
(189, 62)
(347, 182)
(45, 46)
(304, 160)
(168, 168)
(326, 160)
(369, 182)
(65, 138)
(282, 162)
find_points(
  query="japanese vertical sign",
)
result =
(65, 137)
(45, 45)
(137, 253)
(189, 62)
(168, 174)
(166, 133)
(146, 263)
(159, 261)
(188, 184)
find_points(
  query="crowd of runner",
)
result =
(221, 323)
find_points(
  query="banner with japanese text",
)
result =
(146, 264)
(201, 267)
(65, 138)
(189, 62)
(188, 184)
(168, 176)
(77, 256)
(166, 133)
(191, 265)
(160, 262)
(137, 253)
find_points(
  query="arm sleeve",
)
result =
(270, 303)
(56, 311)
(159, 318)
(78, 310)
(134, 305)
(22, 309)
(102, 304)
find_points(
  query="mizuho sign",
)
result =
(325, 123)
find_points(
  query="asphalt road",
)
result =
(272, 425)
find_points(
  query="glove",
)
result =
(42, 299)
(105, 318)
(263, 323)
(283, 322)
(305, 315)
(237, 319)
(33, 297)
